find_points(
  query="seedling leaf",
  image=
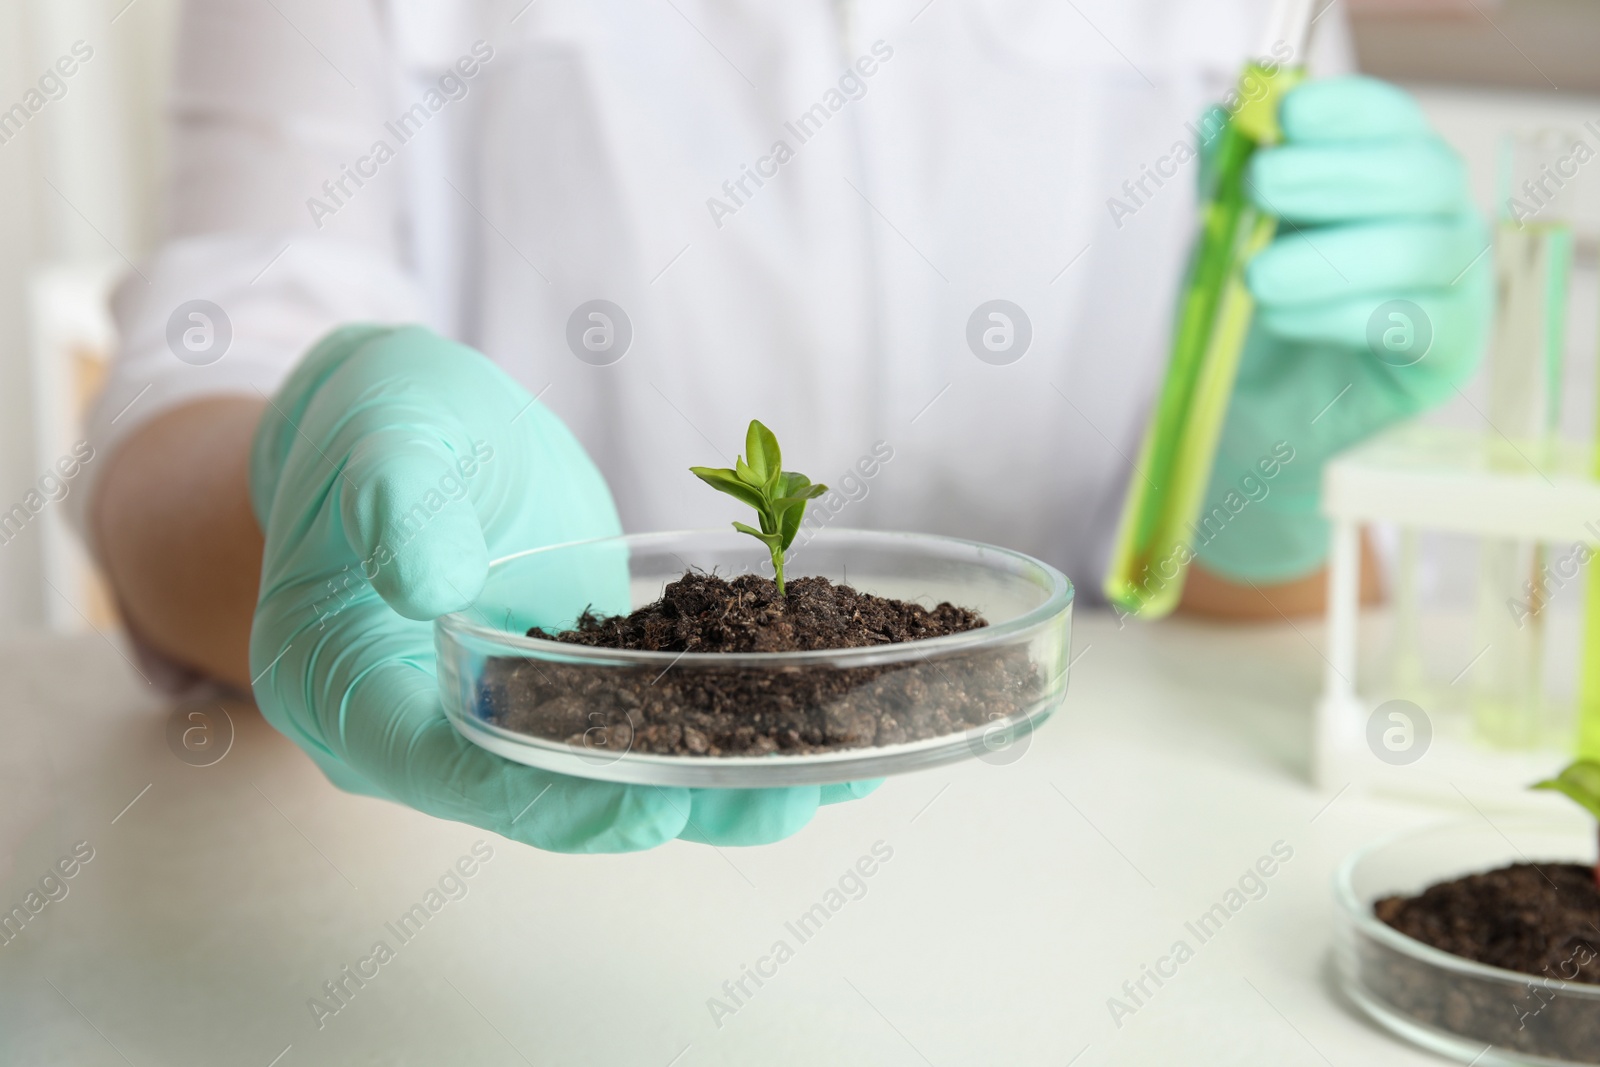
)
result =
(728, 482)
(1581, 782)
(759, 535)
(789, 525)
(761, 451)
(794, 485)
(747, 475)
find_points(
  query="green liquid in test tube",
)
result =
(1589, 668)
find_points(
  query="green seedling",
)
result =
(1581, 782)
(779, 496)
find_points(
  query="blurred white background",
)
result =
(81, 180)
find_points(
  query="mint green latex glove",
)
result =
(1375, 208)
(375, 422)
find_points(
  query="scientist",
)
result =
(513, 261)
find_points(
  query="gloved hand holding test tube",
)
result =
(1274, 368)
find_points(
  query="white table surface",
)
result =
(1017, 901)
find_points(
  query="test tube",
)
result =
(1533, 257)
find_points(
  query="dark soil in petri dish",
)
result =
(752, 711)
(1539, 919)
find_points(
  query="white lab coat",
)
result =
(939, 155)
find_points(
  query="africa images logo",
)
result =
(1399, 333)
(999, 332)
(199, 332)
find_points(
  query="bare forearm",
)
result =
(1211, 596)
(175, 533)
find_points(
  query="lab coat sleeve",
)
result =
(270, 102)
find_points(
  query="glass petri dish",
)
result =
(840, 715)
(1449, 1005)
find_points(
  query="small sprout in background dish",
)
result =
(1580, 781)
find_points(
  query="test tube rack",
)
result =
(1420, 477)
